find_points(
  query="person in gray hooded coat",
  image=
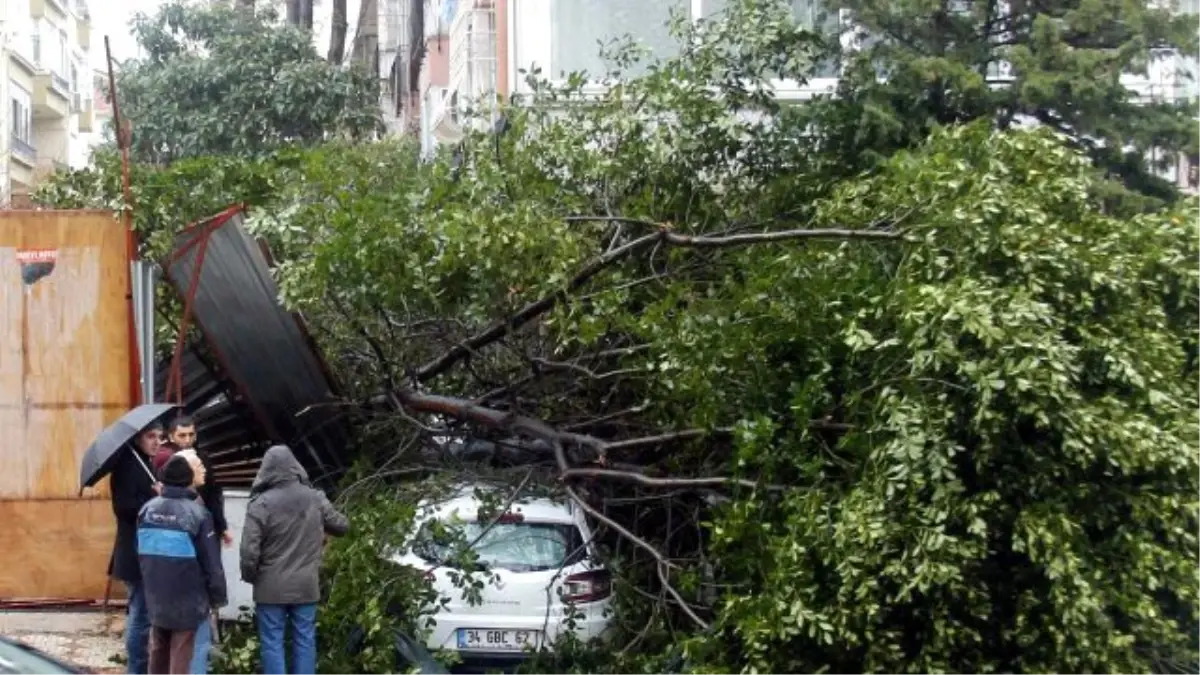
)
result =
(283, 538)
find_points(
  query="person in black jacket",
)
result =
(132, 485)
(182, 432)
(181, 566)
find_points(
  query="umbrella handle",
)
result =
(142, 462)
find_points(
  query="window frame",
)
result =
(21, 109)
(534, 17)
(64, 52)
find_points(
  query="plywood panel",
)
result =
(64, 345)
(55, 440)
(14, 459)
(55, 548)
(11, 321)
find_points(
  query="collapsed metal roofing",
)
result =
(258, 378)
(227, 429)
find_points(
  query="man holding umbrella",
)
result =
(132, 487)
(125, 450)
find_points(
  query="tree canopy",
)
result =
(217, 79)
(1057, 63)
(934, 414)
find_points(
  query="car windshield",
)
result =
(16, 658)
(519, 547)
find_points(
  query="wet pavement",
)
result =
(89, 639)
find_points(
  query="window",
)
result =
(22, 119)
(566, 36)
(64, 53)
(579, 27)
(74, 79)
(811, 14)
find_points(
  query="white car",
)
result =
(546, 577)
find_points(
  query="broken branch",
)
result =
(663, 236)
(706, 482)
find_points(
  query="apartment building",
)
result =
(95, 119)
(470, 51)
(46, 80)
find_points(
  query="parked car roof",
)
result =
(465, 503)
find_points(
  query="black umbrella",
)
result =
(102, 455)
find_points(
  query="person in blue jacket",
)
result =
(180, 559)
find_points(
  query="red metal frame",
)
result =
(123, 138)
(203, 235)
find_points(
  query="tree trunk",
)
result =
(337, 32)
(300, 13)
(366, 42)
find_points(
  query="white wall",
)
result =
(20, 27)
(241, 594)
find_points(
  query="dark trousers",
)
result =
(171, 651)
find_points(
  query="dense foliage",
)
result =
(938, 415)
(1056, 63)
(219, 79)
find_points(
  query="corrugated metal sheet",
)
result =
(264, 351)
(226, 427)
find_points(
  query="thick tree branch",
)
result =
(663, 236)
(669, 437)
(707, 482)
(558, 440)
(586, 372)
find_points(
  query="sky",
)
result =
(113, 20)
(112, 17)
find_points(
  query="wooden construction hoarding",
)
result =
(65, 358)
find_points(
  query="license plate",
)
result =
(497, 640)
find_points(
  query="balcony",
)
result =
(83, 33)
(56, 9)
(23, 152)
(444, 122)
(87, 114)
(51, 96)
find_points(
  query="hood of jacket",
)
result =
(279, 467)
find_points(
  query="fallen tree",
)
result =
(939, 416)
(962, 442)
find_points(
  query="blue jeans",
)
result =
(204, 640)
(272, 621)
(137, 630)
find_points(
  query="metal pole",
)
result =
(135, 389)
(149, 369)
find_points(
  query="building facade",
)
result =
(473, 52)
(95, 119)
(47, 84)
(461, 54)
